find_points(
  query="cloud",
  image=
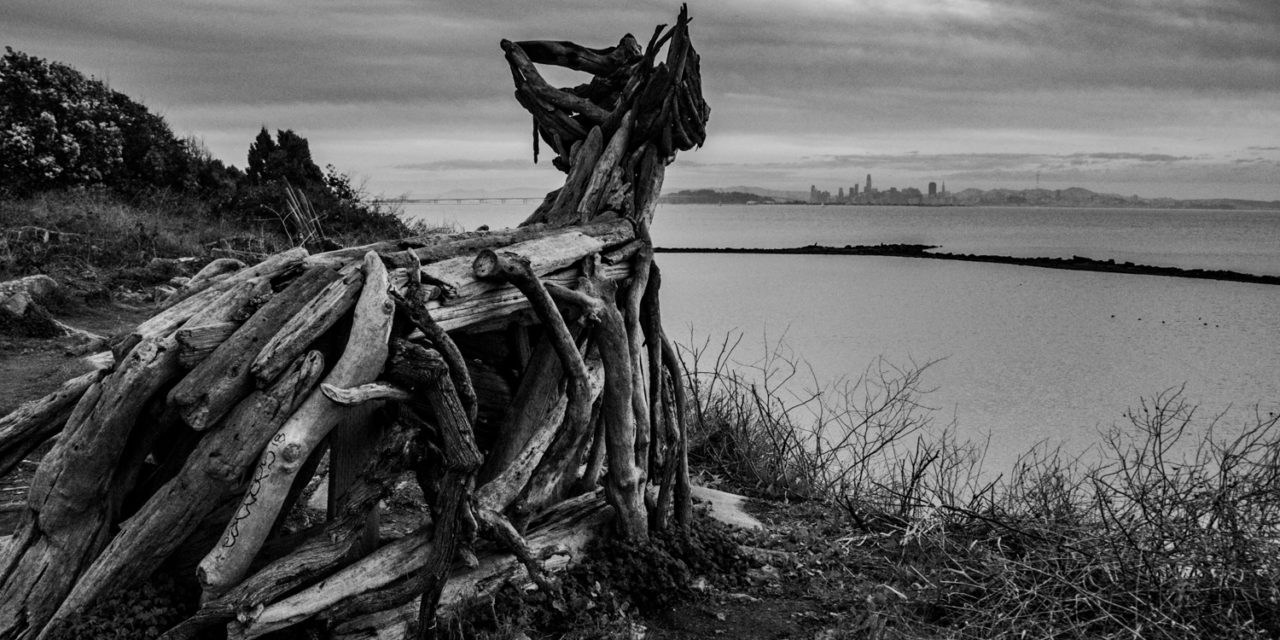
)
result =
(1139, 157)
(399, 87)
(460, 164)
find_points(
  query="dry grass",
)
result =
(83, 231)
(1170, 534)
(1169, 531)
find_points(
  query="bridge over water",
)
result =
(503, 200)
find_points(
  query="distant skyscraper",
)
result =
(933, 189)
(853, 191)
(868, 183)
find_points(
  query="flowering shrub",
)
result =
(61, 129)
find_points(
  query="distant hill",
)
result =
(775, 194)
(728, 196)
(1078, 197)
(1071, 197)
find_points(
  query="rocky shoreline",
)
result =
(1074, 263)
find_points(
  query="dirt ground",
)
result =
(32, 367)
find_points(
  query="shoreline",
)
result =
(1074, 263)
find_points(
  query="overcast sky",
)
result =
(1147, 97)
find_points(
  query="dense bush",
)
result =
(61, 129)
(1170, 534)
(1168, 531)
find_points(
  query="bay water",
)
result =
(1024, 355)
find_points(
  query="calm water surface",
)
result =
(1028, 354)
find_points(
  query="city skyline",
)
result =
(1129, 96)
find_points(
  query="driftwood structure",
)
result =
(522, 375)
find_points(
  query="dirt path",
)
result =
(33, 367)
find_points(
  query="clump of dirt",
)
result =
(616, 587)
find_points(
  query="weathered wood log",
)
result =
(545, 255)
(595, 458)
(414, 304)
(624, 485)
(31, 424)
(211, 326)
(221, 380)
(217, 269)
(447, 409)
(567, 529)
(482, 311)
(661, 403)
(68, 511)
(196, 343)
(175, 316)
(663, 458)
(531, 80)
(555, 475)
(319, 554)
(216, 468)
(622, 481)
(640, 362)
(599, 62)
(564, 209)
(428, 372)
(394, 560)
(648, 185)
(589, 203)
(683, 499)
(564, 531)
(557, 128)
(364, 393)
(314, 318)
(360, 363)
(237, 301)
(516, 270)
(442, 246)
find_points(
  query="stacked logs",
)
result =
(512, 372)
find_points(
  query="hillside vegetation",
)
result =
(98, 192)
(61, 131)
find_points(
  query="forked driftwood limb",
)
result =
(33, 423)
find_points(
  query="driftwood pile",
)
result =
(514, 372)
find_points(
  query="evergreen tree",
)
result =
(260, 152)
